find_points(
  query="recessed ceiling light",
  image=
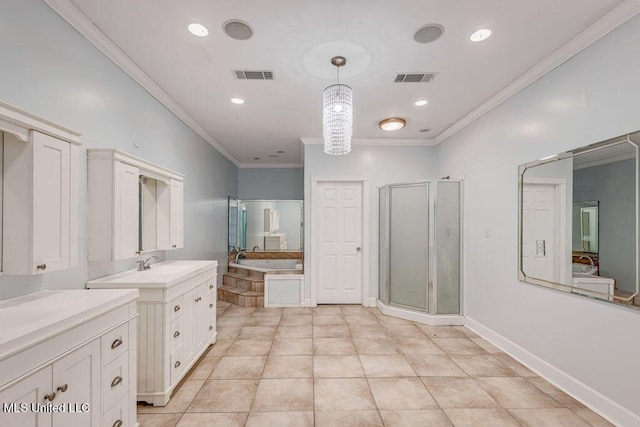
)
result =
(420, 102)
(238, 30)
(237, 101)
(198, 29)
(480, 35)
(393, 123)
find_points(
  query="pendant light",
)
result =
(337, 114)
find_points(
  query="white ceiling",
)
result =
(296, 39)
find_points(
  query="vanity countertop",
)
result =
(161, 275)
(32, 318)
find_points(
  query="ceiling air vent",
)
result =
(415, 77)
(253, 75)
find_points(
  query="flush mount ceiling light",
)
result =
(198, 30)
(238, 30)
(337, 114)
(480, 35)
(420, 102)
(393, 123)
(237, 101)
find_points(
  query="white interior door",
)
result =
(539, 232)
(339, 222)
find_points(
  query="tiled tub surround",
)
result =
(269, 255)
(352, 366)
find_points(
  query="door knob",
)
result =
(358, 249)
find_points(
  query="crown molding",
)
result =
(81, 23)
(271, 165)
(377, 141)
(603, 26)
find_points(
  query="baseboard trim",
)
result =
(602, 405)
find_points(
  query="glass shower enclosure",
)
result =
(419, 246)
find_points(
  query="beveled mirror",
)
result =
(578, 221)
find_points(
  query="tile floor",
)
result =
(353, 366)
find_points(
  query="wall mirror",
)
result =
(265, 225)
(578, 221)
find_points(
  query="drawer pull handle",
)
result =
(117, 423)
(117, 343)
(210, 328)
(176, 308)
(198, 299)
(63, 388)
(176, 364)
(117, 380)
(174, 246)
(176, 334)
(50, 397)
(42, 267)
(210, 305)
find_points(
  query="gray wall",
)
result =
(271, 183)
(47, 68)
(591, 97)
(614, 186)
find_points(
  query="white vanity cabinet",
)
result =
(177, 307)
(114, 200)
(40, 204)
(67, 358)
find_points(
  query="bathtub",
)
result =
(270, 266)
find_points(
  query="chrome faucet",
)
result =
(243, 253)
(256, 247)
(143, 264)
(590, 260)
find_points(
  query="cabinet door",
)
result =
(176, 216)
(51, 213)
(76, 382)
(23, 394)
(202, 322)
(188, 325)
(126, 207)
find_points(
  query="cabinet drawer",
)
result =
(177, 364)
(114, 343)
(118, 415)
(176, 334)
(176, 308)
(115, 381)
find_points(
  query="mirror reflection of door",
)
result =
(539, 220)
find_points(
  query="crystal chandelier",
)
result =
(337, 114)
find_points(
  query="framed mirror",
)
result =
(578, 221)
(266, 225)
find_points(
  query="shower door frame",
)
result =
(432, 289)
